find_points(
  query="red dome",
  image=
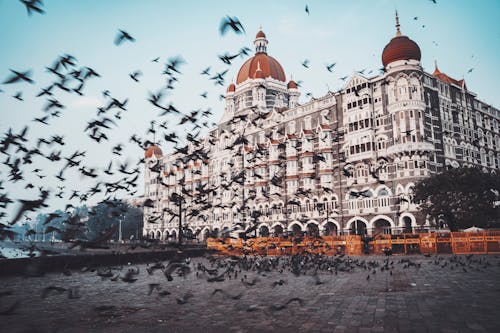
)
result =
(260, 34)
(291, 84)
(231, 88)
(400, 48)
(269, 66)
(153, 150)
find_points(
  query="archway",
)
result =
(215, 233)
(197, 234)
(173, 235)
(407, 225)
(188, 233)
(296, 229)
(278, 230)
(206, 234)
(312, 229)
(264, 231)
(158, 235)
(330, 229)
(358, 227)
(152, 234)
(381, 226)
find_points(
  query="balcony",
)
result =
(406, 105)
(409, 147)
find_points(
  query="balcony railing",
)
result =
(410, 146)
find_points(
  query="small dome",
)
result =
(291, 84)
(400, 48)
(260, 34)
(231, 88)
(153, 150)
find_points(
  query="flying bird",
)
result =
(19, 76)
(307, 10)
(122, 36)
(330, 67)
(33, 6)
(134, 76)
(231, 22)
(19, 96)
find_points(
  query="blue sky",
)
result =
(459, 34)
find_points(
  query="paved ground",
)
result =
(464, 296)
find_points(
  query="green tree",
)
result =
(462, 197)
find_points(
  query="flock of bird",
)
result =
(234, 278)
(121, 179)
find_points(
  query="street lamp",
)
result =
(120, 230)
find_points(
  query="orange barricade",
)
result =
(476, 242)
(492, 240)
(412, 243)
(443, 243)
(380, 243)
(428, 243)
(459, 243)
(398, 244)
(440, 243)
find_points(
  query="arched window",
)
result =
(382, 192)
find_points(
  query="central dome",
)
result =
(261, 65)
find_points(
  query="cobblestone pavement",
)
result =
(428, 298)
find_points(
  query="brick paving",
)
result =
(428, 298)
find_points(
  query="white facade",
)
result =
(343, 163)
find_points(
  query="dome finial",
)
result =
(398, 32)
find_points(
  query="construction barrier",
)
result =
(434, 243)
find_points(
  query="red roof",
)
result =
(231, 88)
(269, 67)
(291, 84)
(445, 78)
